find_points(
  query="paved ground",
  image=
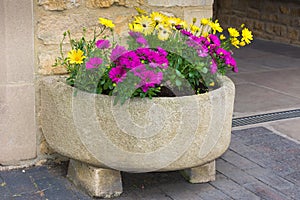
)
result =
(260, 164)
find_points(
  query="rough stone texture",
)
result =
(170, 3)
(73, 15)
(202, 12)
(17, 122)
(201, 174)
(271, 20)
(58, 5)
(143, 135)
(17, 91)
(97, 182)
(109, 3)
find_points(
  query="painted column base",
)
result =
(201, 174)
(97, 182)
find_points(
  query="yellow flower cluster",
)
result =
(164, 26)
(156, 22)
(235, 34)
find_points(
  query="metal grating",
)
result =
(256, 119)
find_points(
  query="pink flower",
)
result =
(139, 70)
(135, 34)
(215, 40)
(117, 52)
(93, 63)
(103, 44)
(117, 74)
(222, 53)
(142, 41)
(213, 66)
(129, 60)
(149, 79)
(186, 33)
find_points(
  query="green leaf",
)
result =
(204, 70)
(178, 83)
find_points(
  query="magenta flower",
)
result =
(178, 27)
(222, 53)
(117, 52)
(215, 40)
(149, 79)
(93, 63)
(103, 44)
(135, 34)
(117, 74)
(139, 70)
(162, 52)
(159, 57)
(202, 52)
(129, 60)
(213, 66)
(143, 53)
(142, 41)
(186, 33)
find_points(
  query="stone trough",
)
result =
(162, 134)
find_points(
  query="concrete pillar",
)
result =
(17, 91)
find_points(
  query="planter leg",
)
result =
(98, 182)
(201, 174)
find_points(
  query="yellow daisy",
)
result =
(173, 20)
(233, 32)
(204, 21)
(76, 56)
(147, 24)
(205, 34)
(141, 11)
(222, 37)
(194, 29)
(242, 43)
(183, 24)
(106, 22)
(136, 27)
(157, 17)
(235, 42)
(247, 35)
(215, 26)
(163, 34)
(162, 26)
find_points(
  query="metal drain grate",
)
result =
(256, 119)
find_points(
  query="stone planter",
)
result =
(163, 134)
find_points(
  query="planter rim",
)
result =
(222, 80)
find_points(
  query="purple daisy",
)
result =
(117, 74)
(117, 52)
(129, 60)
(142, 41)
(213, 66)
(103, 44)
(149, 79)
(93, 63)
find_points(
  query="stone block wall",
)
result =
(277, 20)
(30, 33)
(53, 17)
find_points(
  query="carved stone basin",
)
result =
(162, 134)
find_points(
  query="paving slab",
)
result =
(290, 127)
(258, 165)
(276, 80)
(254, 99)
